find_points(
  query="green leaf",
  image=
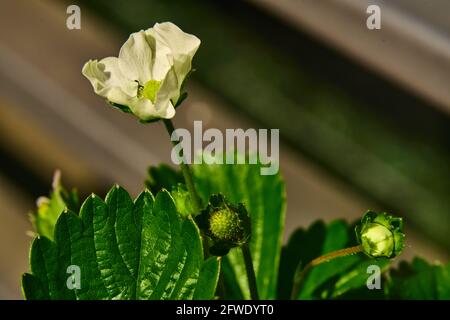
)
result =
(333, 279)
(264, 198)
(352, 284)
(419, 280)
(125, 250)
(182, 200)
(208, 274)
(165, 177)
(162, 177)
(49, 209)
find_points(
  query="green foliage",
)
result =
(48, 209)
(162, 177)
(419, 280)
(182, 200)
(152, 249)
(264, 198)
(345, 277)
(125, 250)
(335, 279)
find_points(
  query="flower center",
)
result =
(149, 90)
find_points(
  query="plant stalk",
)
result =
(220, 290)
(189, 180)
(185, 169)
(300, 274)
(250, 272)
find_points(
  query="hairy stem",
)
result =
(220, 290)
(250, 272)
(185, 169)
(189, 180)
(300, 273)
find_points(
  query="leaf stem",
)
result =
(250, 272)
(185, 169)
(300, 273)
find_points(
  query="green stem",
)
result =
(250, 272)
(300, 274)
(220, 291)
(185, 169)
(189, 180)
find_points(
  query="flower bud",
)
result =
(380, 235)
(226, 225)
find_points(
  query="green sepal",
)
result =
(120, 107)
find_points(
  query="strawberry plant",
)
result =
(208, 230)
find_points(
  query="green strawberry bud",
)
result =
(226, 225)
(381, 235)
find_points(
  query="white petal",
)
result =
(162, 61)
(136, 57)
(182, 48)
(108, 81)
(168, 111)
(182, 66)
(178, 41)
(168, 91)
(143, 108)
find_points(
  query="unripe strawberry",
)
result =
(226, 225)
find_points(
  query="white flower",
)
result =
(148, 74)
